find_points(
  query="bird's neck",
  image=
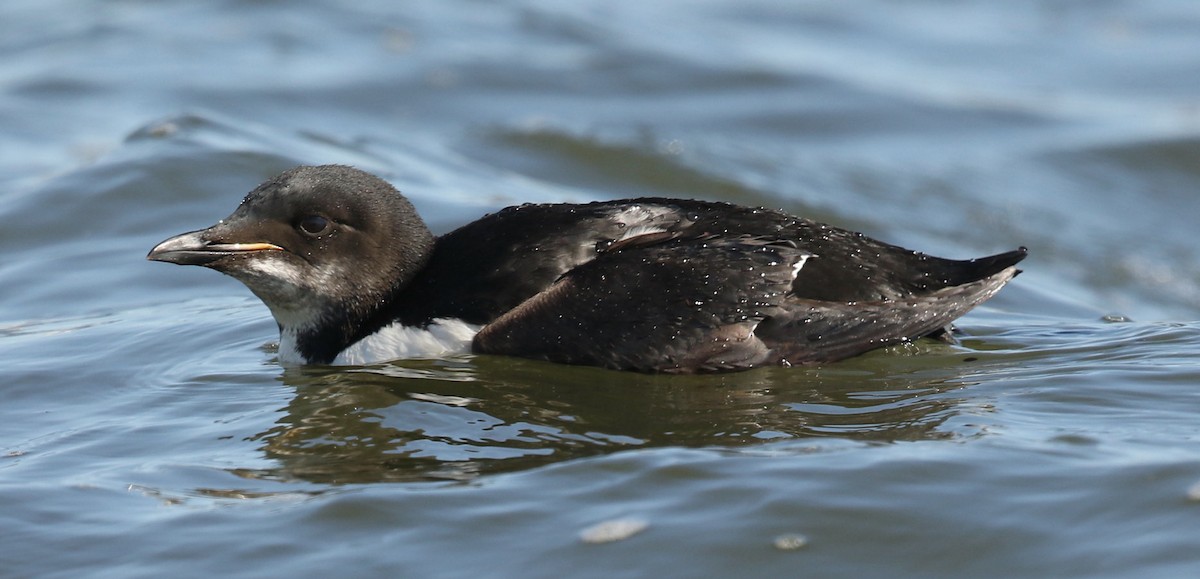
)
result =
(317, 332)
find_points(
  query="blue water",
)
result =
(146, 429)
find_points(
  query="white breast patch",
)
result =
(443, 337)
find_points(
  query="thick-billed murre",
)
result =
(352, 275)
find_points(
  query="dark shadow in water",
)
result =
(461, 418)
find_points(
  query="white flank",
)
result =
(443, 337)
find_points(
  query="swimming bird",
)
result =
(352, 275)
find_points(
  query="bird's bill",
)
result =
(193, 248)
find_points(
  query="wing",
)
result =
(666, 303)
(657, 303)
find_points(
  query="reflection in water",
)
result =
(461, 418)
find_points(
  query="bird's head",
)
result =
(320, 246)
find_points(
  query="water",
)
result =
(147, 431)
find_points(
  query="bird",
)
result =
(352, 275)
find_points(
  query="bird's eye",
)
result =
(314, 225)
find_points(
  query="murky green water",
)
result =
(146, 430)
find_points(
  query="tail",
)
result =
(976, 269)
(815, 331)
